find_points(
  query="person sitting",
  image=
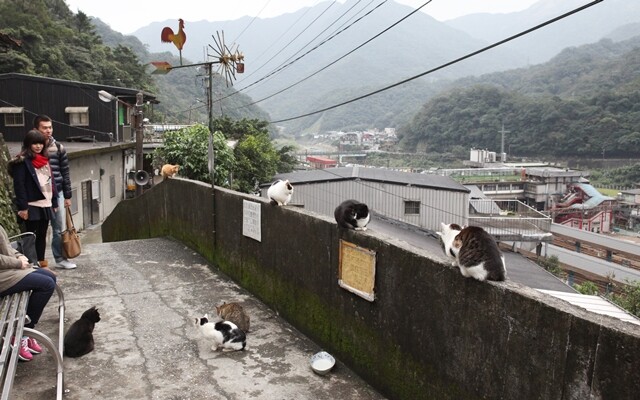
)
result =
(17, 275)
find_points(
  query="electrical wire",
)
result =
(287, 45)
(285, 64)
(338, 59)
(281, 67)
(448, 64)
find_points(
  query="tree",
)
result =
(629, 299)
(189, 147)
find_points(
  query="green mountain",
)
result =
(75, 47)
(585, 102)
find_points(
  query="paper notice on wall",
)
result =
(357, 270)
(251, 220)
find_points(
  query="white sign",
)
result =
(251, 220)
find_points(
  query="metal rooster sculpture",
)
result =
(178, 39)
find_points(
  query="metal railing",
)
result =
(510, 220)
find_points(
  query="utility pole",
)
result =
(139, 137)
(503, 157)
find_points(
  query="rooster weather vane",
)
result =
(178, 39)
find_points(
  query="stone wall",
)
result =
(8, 217)
(429, 334)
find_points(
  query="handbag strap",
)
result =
(70, 225)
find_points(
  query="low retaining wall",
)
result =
(429, 334)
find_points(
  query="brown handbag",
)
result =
(70, 239)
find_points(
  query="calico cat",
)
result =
(352, 214)
(233, 312)
(475, 251)
(280, 192)
(79, 338)
(169, 171)
(223, 333)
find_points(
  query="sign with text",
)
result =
(251, 220)
(357, 270)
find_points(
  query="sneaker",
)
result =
(33, 346)
(24, 354)
(66, 264)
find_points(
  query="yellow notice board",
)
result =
(357, 270)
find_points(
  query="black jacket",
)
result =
(59, 163)
(26, 185)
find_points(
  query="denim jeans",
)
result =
(57, 226)
(42, 283)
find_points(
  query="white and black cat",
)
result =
(352, 214)
(223, 333)
(475, 251)
(280, 192)
(79, 338)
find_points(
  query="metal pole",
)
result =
(139, 136)
(211, 163)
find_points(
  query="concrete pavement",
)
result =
(147, 347)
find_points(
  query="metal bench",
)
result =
(13, 314)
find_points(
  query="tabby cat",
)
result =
(475, 251)
(235, 313)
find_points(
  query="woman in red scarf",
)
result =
(35, 193)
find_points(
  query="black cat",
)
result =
(79, 338)
(352, 214)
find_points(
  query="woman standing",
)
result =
(34, 189)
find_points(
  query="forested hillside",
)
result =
(49, 40)
(585, 102)
(43, 37)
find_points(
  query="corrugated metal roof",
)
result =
(595, 198)
(372, 174)
(594, 304)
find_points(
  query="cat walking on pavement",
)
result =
(223, 334)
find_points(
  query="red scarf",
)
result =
(39, 161)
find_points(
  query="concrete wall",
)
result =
(430, 333)
(387, 199)
(85, 167)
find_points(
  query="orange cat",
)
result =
(169, 171)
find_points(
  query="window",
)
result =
(112, 186)
(13, 116)
(78, 116)
(412, 207)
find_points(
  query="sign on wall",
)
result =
(357, 270)
(251, 220)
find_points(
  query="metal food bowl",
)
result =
(322, 362)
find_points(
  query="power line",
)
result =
(482, 50)
(281, 67)
(335, 61)
(285, 64)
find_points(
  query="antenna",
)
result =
(502, 155)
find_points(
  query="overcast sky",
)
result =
(127, 16)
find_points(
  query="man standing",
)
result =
(60, 170)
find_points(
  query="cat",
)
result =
(169, 171)
(475, 251)
(223, 333)
(79, 338)
(233, 312)
(280, 192)
(352, 214)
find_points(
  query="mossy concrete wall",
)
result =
(429, 334)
